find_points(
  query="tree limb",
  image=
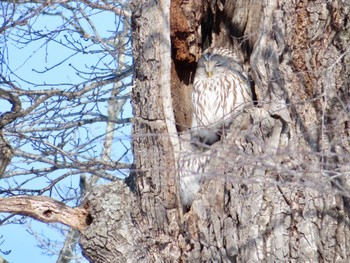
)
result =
(10, 116)
(46, 209)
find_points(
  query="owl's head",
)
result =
(216, 61)
(212, 64)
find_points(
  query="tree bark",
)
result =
(276, 189)
(46, 210)
(142, 225)
(271, 195)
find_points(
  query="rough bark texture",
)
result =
(277, 189)
(46, 210)
(6, 153)
(271, 196)
(142, 226)
(153, 114)
(113, 235)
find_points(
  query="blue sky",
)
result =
(24, 246)
(25, 60)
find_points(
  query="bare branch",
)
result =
(47, 210)
(9, 117)
(109, 7)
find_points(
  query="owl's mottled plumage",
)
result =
(191, 165)
(220, 90)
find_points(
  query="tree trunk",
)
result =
(142, 225)
(276, 189)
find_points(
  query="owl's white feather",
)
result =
(220, 90)
(191, 165)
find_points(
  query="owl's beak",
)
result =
(210, 74)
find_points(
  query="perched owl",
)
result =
(220, 90)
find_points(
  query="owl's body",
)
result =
(220, 90)
(191, 166)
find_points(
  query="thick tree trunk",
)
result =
(276, 200)
(142, 225)
(277, 188)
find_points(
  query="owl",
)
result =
(220, 90)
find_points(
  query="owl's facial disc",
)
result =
(210, 67)
(212, 64)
